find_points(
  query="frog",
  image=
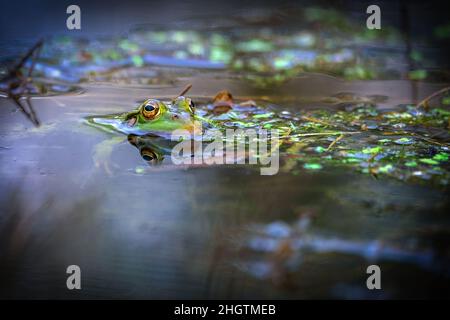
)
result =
(152, 117)
(155, 125)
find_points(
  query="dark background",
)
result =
(23, 19)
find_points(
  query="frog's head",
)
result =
(151, 117)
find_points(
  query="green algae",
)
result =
(312, 166)
(413, 153)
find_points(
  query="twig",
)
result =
(185, 90)
(431, 141)
(23, 82)
(334, 142)
(372, 157)
(406, 133)
(36, 54)
(425, 101)
(24, 111)
(312, 134)
(29, 53)
(311, 119)
(31, 109)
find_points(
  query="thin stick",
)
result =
(372, 157)
(28, 55)
(35, 56)
(406, 133)
(334, 142)
(31, 110)
(185, 90)
(425, 101)
(431, 141)
(324, 133)
(22, 108)
(15, 74)
(311, 119)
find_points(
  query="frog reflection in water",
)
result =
(150, 127)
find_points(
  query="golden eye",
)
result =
(148, 154)
(150, 110)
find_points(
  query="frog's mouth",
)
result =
(115, 123)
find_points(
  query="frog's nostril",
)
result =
(131, 122)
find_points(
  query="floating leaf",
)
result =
(404, 141)
(351, 160)
(373, 150)
(263, 115)
(429, 161)
(255, 45)
(137, 61)
(441, 157)
(312, 166)
(319, 149)
(411, 164)
(385, 169)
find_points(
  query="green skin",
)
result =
(150, 135)
(177, 115)
(150, 127)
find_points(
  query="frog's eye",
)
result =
(148, 154)
(150, 110)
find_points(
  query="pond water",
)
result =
(225, 231)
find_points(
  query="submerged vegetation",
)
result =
(407, 143)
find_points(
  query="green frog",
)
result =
(152, 117)
(155, 126)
